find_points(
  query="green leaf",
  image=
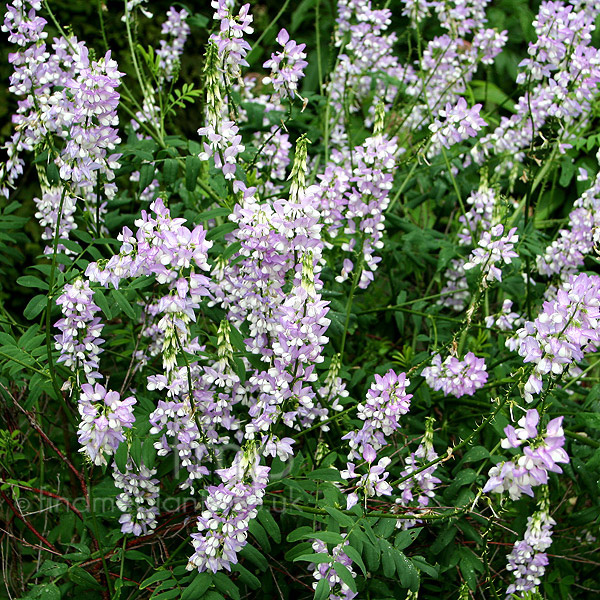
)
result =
(325, 475)
(123, 303)
(443, 539)
(409, 578)
(48, 591)
(220, 231)
(299, 534)
(385, 527)
(170, 170)
(154, 578)
(192, 168)
(476, 454)
(372, 556)
(246, 577)
(198, 20)
(468, 565)
(136, 451)
(270, 525)
(260, 535)
(315, 557)
(146, 176)
(322, 590)
(81, 577)
(345, 575)
(387, 558)
(212, 595)
(589, 419)
(35, 306)
(405, 538)
(355, 557)
(148, 453)
(32, 281)
(486, 90)
(213, 213)
(102, 302)
(51, 568)
(329, 537)
(225, 585)
(199, 585)
(341, 519)
(53, 174)
(422, 565)
(169, 595)
(567, 171)
(465, 477)
(121, 456)
(254, 556)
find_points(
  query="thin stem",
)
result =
(98, 538)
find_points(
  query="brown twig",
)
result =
(40, 431)
(29, 526)
(46, 493)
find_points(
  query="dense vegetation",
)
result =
(300, 300)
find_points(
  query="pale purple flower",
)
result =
(373, 483)
(287, 66)
(326, 570)
(567, 253)
(493, 248)
(506, 319)
(104, 416)
(386, 401)
(456, 377)
(528, 559)
(459, 123)
(564, 331)
(137, 501)
(79, 341)
(228, 509)
(177, 30)
(530, 468)
(420, 487)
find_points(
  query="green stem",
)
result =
(98, 538)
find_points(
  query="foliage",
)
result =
(300, 301)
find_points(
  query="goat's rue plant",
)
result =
(338, 339)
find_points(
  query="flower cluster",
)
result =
(170, 51)
(528, 559)
(477, 222)
(232, 333)
(225, 56)
(353, 195)
(493, 248)
(287, 66)
(104, 416)
(79, 340)
(162, 246)
(506, 319)
(565, 71)
(567, 253)
(459, 124)
(339, 590)
(372, 483)
(229, 40)
(456, 377)
(228, 509)
(540, 456)
(69, 105)
(137, 501)
(565, 329)
(420, 487)
(479, 217)
(387, 400)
